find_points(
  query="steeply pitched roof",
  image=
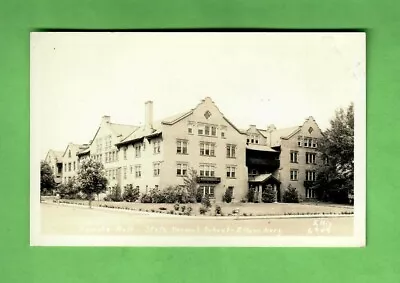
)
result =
(141, 132)
(284, 133)
(122, 130)
(74, 146)
(260, 147)
(262, 178)
(176, 118)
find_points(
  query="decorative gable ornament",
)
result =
(310, 130)
(207, 114)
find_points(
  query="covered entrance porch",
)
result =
(259, 183)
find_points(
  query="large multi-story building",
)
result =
(102, 148)
(54, 159)
(283, 157)
(161, 153)
(70, 161)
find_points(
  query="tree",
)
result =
(47, 183)
(290, 195)
(131, 194)
(190, 183)
(335, 180)
(228, 195)
(268, 194)
(91, 179)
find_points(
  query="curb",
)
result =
(153, 214)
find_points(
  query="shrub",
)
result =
(176, 206)
(250, 195)
(205, 201)
(243, 200)
(115, 194)
(162, 208)
(227, 197)
(157, 196)
(189, 210)
(290, 195)
(183, 207)
(202, 210)
(199, 195)
(130, 194)
(268, 194)
(171, 212)
(146, 198)
(218, 210)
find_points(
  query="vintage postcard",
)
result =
(198, 139)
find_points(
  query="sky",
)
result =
(254, 78)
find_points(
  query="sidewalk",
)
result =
(154, 214)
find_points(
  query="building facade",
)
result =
(70, 162)
(161, 153)
(293, 157)
(54, 159)
(102, 148)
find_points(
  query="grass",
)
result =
(243, 209)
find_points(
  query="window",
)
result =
(314, 143)
(69, 153)
(200, 131)
(254, 172)
(294, 156)
(222, 134)
(181, 146)
(144, 145)
(231, 171)
(74, 166)
(294, 175)
(137, 150)
(213, 131)
(299, 141)
(69, 167)
(207, 149)
(157, 146)
(65, 167)
(310, 176)
(125, 169)
(131, 169)
(307, 142)
(310, 158)
(207, 190)
(231, 151)
(138, 171)
(114, 174)
(156, 168)
(181, 169)
(207, 170)
(310, 193)
(207, 130)
(190, 130)
(125, 149)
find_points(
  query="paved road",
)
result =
(69, 220)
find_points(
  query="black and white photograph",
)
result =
(222, 139)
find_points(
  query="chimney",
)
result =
(271, 128)
(148, 119)
(105, 119)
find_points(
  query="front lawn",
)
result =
(245, 209)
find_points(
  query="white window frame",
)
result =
(294, 156)
(181, 169)
(156, 169)
(294, 175)
(231, 151)
(231, 171)
(181, 146)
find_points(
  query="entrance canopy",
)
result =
(264, 178)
